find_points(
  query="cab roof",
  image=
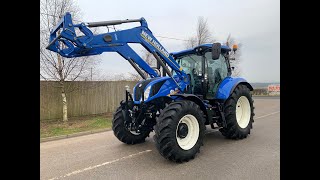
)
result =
(193, 50)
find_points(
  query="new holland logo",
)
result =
(154, 43)
(140, 85)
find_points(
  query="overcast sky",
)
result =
(254, 23)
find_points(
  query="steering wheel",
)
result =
(194, 71)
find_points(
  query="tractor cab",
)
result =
(206, 65)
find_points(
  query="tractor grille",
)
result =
(139, 90)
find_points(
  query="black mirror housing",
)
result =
(216, 51)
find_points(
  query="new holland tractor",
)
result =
(177, 99)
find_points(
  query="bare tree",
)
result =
(133, 76)
(203, 34)
(149, 59)
(52, 65)
(235, 63)
(191, 42)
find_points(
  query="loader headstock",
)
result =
(61, 35)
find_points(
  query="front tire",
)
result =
(238, 110)
(122, 133)
(179, 131)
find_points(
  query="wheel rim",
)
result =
(134, 133)
(243, 112)
(187, 132)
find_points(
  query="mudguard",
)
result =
(227, 86)
(194, 98)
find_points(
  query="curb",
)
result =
(73, 135)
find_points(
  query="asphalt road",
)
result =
(102, 156)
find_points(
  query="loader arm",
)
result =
(64, 40)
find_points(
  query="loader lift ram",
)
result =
(198, 90)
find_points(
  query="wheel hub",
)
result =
(182, 130)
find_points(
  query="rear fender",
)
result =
(227, 86)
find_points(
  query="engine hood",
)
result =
(160, 86)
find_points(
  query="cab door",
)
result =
(216, 71)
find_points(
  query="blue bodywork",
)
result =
(165, 89)
(92, 44)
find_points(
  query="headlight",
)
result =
(146, 93)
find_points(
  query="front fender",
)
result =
(227, 86)
(195, 99)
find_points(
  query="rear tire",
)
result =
(239, 112)
(179, 131)
(122, 133)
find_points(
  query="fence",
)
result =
(88, 98)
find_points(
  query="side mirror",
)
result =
(216, 51)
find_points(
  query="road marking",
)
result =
(267, 115)
(99, 165)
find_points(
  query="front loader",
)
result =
(195, 87)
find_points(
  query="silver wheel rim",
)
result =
(243, 112)
(134, 133)
(193, 132)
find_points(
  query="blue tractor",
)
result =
(177, 99)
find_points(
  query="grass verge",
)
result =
(74, 125)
